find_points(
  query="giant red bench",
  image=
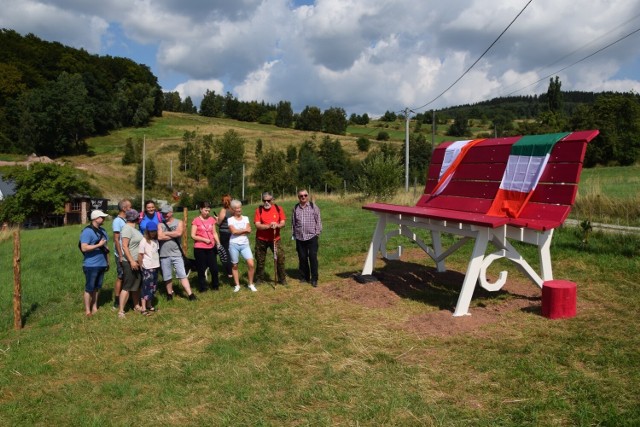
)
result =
(464, 205)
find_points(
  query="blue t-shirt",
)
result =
(157, 218)
(96, 257)
(116, 227)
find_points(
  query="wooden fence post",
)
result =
(185, 216)
(17, 286)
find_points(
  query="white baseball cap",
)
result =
(97, 214)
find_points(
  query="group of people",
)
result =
(149, 242)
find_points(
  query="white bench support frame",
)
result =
(478, 263)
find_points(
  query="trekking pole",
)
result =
(275, 259)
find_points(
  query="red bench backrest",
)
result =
(558, 186)
(477, 179)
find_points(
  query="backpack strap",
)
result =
(261, 208)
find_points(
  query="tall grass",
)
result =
(304, 356)
(609, 195)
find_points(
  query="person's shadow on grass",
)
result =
(25, 316)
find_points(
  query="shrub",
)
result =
(383, 136)
(381, 176)
(363, 144)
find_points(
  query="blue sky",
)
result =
(362, 55)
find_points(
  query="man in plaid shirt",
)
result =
(306, 227)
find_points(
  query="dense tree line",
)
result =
(520, 107)
(52, 97)
(333, 120)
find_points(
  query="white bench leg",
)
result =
(374, 246)
(544, 249)
(473, 272)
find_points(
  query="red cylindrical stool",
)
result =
(559, 299)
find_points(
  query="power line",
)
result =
(548, 66)
(576, 62)
(477, 60)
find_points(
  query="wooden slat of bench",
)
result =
(554, 194)
(581, 135)
(561, 172)
(462, 204)
(542, 216)
(439, 214)
(569, 151)
(487, 171)
(487, 154)
(432, 177)
(475, 189)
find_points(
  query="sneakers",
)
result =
(192, 297)
(237, 288)
(252, 287)
(170, 296)
(314, 283)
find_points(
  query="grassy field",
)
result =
(387, 353)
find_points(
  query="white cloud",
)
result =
(256, 85)
(197, 88)
(362, 55)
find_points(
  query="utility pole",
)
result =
(406, 149)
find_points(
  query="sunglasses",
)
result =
(302, 196)
(267, 200)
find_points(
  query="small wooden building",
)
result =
(79, 207)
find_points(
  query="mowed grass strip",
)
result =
(342, 354)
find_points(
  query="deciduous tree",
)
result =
(42, 190)
(284, 114)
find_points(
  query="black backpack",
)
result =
(261, 208)
(99, 235)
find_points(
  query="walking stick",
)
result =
(275, 259)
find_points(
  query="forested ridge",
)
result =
(52, 97)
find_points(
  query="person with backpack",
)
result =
(306, 226)
(223, 231)
(93, 245)
(116, 225)
(269, 218)
(150, 214)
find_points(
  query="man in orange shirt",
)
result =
(269, 219)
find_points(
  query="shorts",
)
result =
(131, 278)
(235, 250)
(93, 278)
(119, 270)
(167, 264)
